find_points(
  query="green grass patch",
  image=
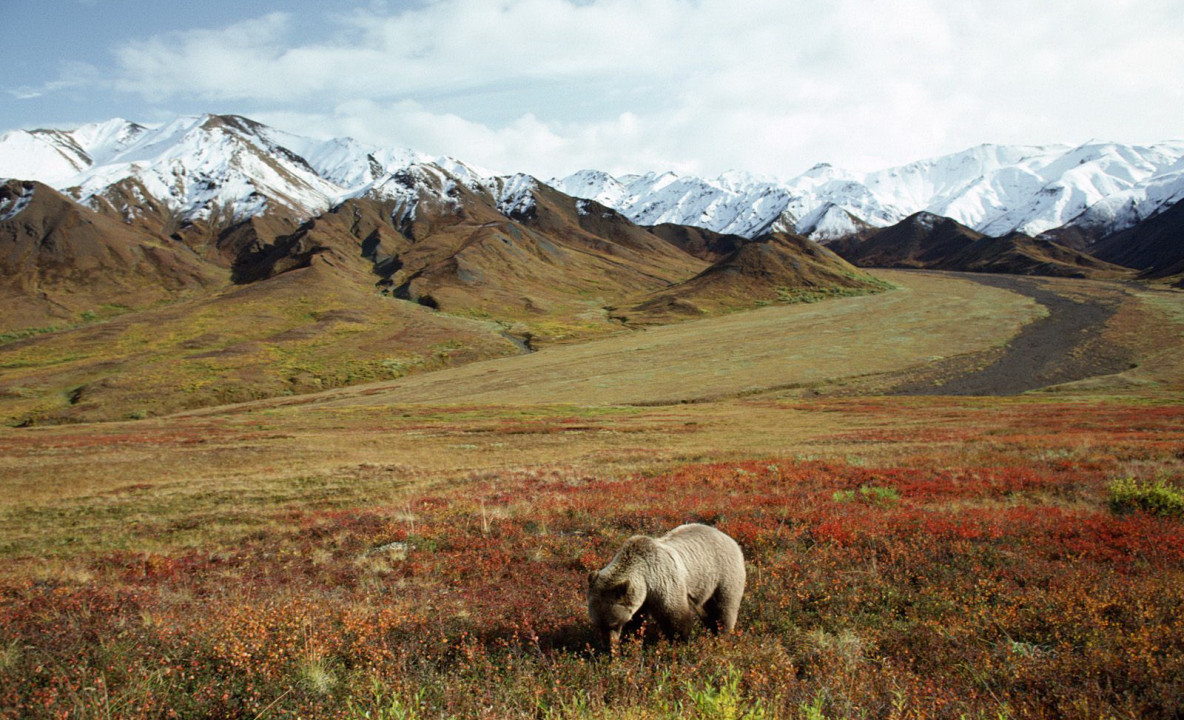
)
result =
(15, 335)
(86, 317)
(722, 700)
(795, 295)
(869, 494)
(1157, 497)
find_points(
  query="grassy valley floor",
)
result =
(418, 548)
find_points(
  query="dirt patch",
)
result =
(1065, 346)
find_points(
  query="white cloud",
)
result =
(74, 75)
(28, 92)
(548, 86)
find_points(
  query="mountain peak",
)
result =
(231, 122)
(516, 197)
(198, 165)
(924, 219)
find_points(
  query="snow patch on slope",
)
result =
(592, 185)
(735, 203)
(11, 207)
(413, 186)
(103, 141)
(202, 166)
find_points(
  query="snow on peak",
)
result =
(212, 164)
(516, 197)
(994, 189)
(592, 185)
(925, 219)
(50, 156)
(828, 222)
(200, 165)
(737, 203)
(474, 177)
(345, 162)
(411, 187)
(104, 140)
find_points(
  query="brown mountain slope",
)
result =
(588, 226)
(430, 238)
(552, 264)
(1154, 246)
(779, 267)
(358, 237)
(925, 240)
(306, 313)
(1020, 254)
(922, 240)
(699, 242)
(311, 306)
(323, 303)
(61, 261)
(306, 329)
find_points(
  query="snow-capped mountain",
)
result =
(196, 167)
(994, 189)
(55, 156)
(999, 189)
(735, 204)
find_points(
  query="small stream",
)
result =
(523, 343)
(1058, 348)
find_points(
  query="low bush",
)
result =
(1157, 497)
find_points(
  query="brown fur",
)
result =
(693, 571)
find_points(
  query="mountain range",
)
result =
(215, 171)
(214, 260)
(199, 166)
(250, 261)
(1100, 188)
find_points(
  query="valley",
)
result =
(417, 546)
(302, 428)
(798, 348)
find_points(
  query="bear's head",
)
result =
(612, 602)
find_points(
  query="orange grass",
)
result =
(974, 573)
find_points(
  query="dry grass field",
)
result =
(777, 347)
(417, 548)
(304, 331)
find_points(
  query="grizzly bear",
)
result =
(693, 571)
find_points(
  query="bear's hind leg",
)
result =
(709, 614)
(722, 610)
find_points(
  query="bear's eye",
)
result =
(621, 590)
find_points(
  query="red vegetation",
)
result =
(992, 588)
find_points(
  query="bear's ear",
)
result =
(592, 577)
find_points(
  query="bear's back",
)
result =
(702, 547)
(697, 534)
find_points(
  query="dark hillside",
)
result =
(61, 262)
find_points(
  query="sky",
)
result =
(549, 87)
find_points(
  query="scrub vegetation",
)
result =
(358, 554)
